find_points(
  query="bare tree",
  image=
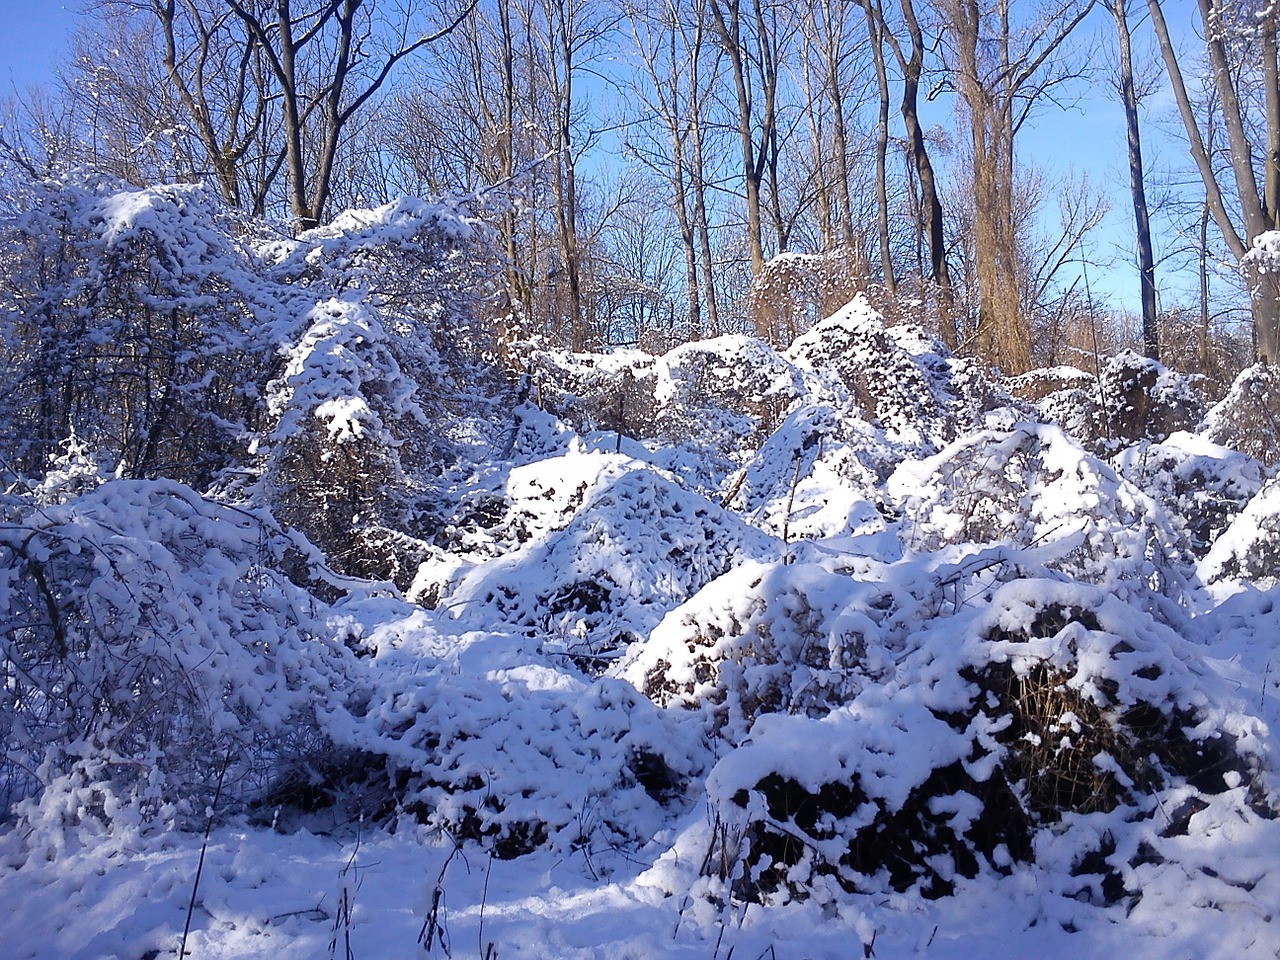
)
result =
(222, 81)
(1241, 48)
(751, 46)
(328, 60)
(911, 64)
(1001, 72)
(1129, 98)
(877, 35)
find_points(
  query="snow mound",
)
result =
(1246, 418)
(1025, 487)
(1249, 549)
(627, 544)
(151, 639)
(1051, 702)
(904, 382)
(1201, 486)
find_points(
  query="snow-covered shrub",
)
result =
(1249, 549)
(764, 638)
(340, 415)
(1064, 396)
(1030, 486)
(429, 267)
(516, 755)
(1133, 398)
(134, 321)
(819, 474)
(1144, 400)
(1037, 385)
(1052, 700)
(698, 384)
(388, 353)
(1201, 486)
(1248, 417)
(148, 638)
(904, 382)
(604, 391)
(618, 546)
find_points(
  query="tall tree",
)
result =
(1137, 179)
(1001, 71)
(328, 59)
(751, 47)
(911, 64)
(222, 81)
(1240, 44)
(876, 34)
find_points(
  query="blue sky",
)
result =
(33, 38)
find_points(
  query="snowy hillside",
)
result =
(382, 641)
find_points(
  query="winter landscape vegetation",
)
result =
(553, 479)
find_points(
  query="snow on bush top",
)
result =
(1202, 486)
(626, 545)
(903, 381)
(407, 222)
(1248, 417)
(1133, 398)
(1249, 549)
(151, 628)
(1024, 487)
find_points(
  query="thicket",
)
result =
(279, 527)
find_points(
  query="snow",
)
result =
(825, 652)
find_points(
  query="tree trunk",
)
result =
(726, 19)
(1256, 207)
(1137, 184)
(875, 32)
(932, 213)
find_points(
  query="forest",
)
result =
(548, 479)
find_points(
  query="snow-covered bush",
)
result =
(903, 381)
(1249, 549)
(1052, 700)
(820, 474)
(1133, 398)
(618, 546)
(340, 415)
(1248, 417)
(1031, 486)
(764, 638)
(132, 320)
(148, 638)
(699, 383)
(389, 348)
(1201, 486)
(1144, 400)
(479, 735)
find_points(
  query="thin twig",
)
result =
(208, 829)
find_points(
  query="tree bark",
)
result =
(912, 67)
(875, 33)
(1256, 208)
(1137, 183)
